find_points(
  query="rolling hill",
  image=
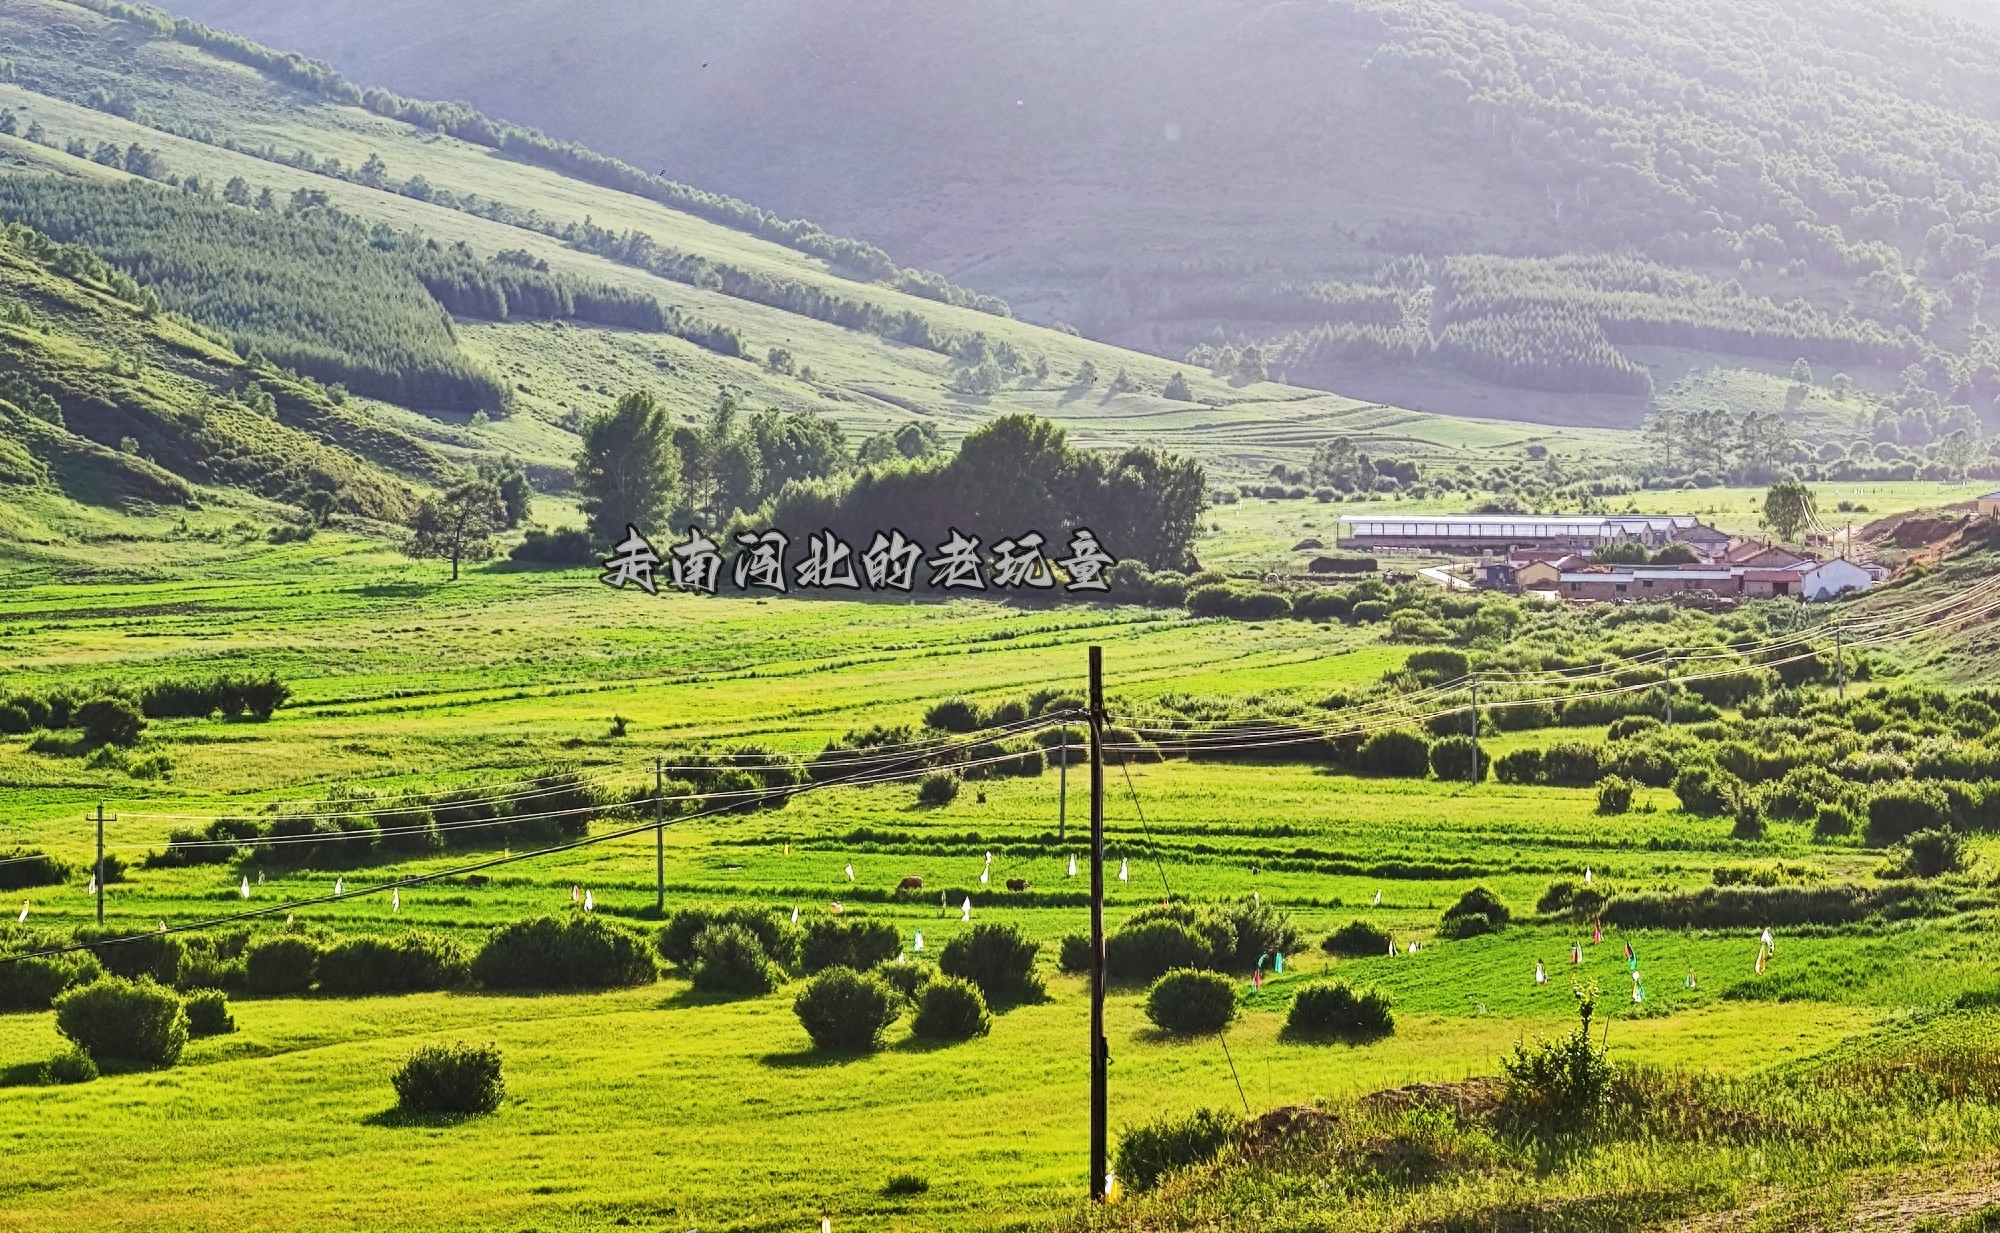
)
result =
(1795, 178)
(420, 289)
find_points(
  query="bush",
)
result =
(1833, 820)
(1395, 752)
(937, 789)
(1000, 959)
(954, 715)
(580, 951)
(1748, 823)
(906, 977)
(133, 1021)
(21, 869)
(208, 1013)
(1073, 954)
(280, 965)
(856, 944)
(730, 959)
(455, 1078)
(950, 1009)
(1631, 726)
(405, 963)
(1707, 792)
(1148, 950)
(1522, 766)
(1332, 1010)
(1572, 764)
(567, 546)
(1930, 854)
(71, 1065)
(1614, 795)
(110, 721)
(1555, 1088)
(1357, 939)
(1149, 1152)
(1477, 911)
(34, 984)
(845, 1011)
(1187, 1002)
(1901, 810)
(1255, 928)
(778, 936)
(1455, 758)
(1369, 611)
(1435, 667)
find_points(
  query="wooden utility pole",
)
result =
(1475, 731)
(1062, 784)
(100, 862)
(659, 842)
(1100, 1053)
(1840, 659)
(1670, 693)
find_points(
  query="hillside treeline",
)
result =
(853, 257)
(313, 290)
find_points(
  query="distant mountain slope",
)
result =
(558, 277)
(1160, 174)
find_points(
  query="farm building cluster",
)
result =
(1562, 556)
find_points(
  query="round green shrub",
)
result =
(1572, 764)
(579, 951)
(1149, 1152)
(1369, 611)
(779, 937)
(71, 1065)
(405, 963)
(279, 965)
(1357, 939)
(110, 721)
(1334, 1011)
(1073, 954)
(1902, 809)
(1150, 949)
(954, 715)
(1000, 959)
(858, 944)
(1187, 1002)
(937, 789)
(845, 1011)
(454, 1078)
(33, 984)
(129, 1020)
(1614, 795)
(1523, 766)
(1455, 757)
(949, 1008)
(1707, 791)
(906, 977)
(208, 1013)
(1477, 911)
(1396, 753)
(730, 959)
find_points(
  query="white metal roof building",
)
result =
(1497, 532)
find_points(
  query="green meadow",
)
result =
(658, 1107)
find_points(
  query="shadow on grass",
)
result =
(688, 998)
(811, 1059)
(1353, 1040)
(396, 590)
(398, 1118)
(25, 1074)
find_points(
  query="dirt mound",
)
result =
(1468, 1099)
(1918, 528)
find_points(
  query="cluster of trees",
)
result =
(463, 122)
(303, 287)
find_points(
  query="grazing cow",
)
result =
(910, 883)
(1017, 884)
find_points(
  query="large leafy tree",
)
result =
(628, 467)
(457, 524)
(1788, 509)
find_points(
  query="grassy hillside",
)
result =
(1164, 176)
(478, 301)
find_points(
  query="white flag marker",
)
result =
(1378, 899)
(340, 886)
(395, 899)
(850, 871)
(1124, 870)
(1072, 866)
(589, 903)
(965, 913)
(795, 916)
(985, 876)
(91, 890)
(244, 890)
(24, 912)
(920, 941)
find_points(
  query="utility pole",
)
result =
(659, 841)
(1062, 785)
(1475, 730)
(1840, 659)
(1100, 1052)
(100, 862)
(1670, 692)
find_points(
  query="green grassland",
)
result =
(667, 1109)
